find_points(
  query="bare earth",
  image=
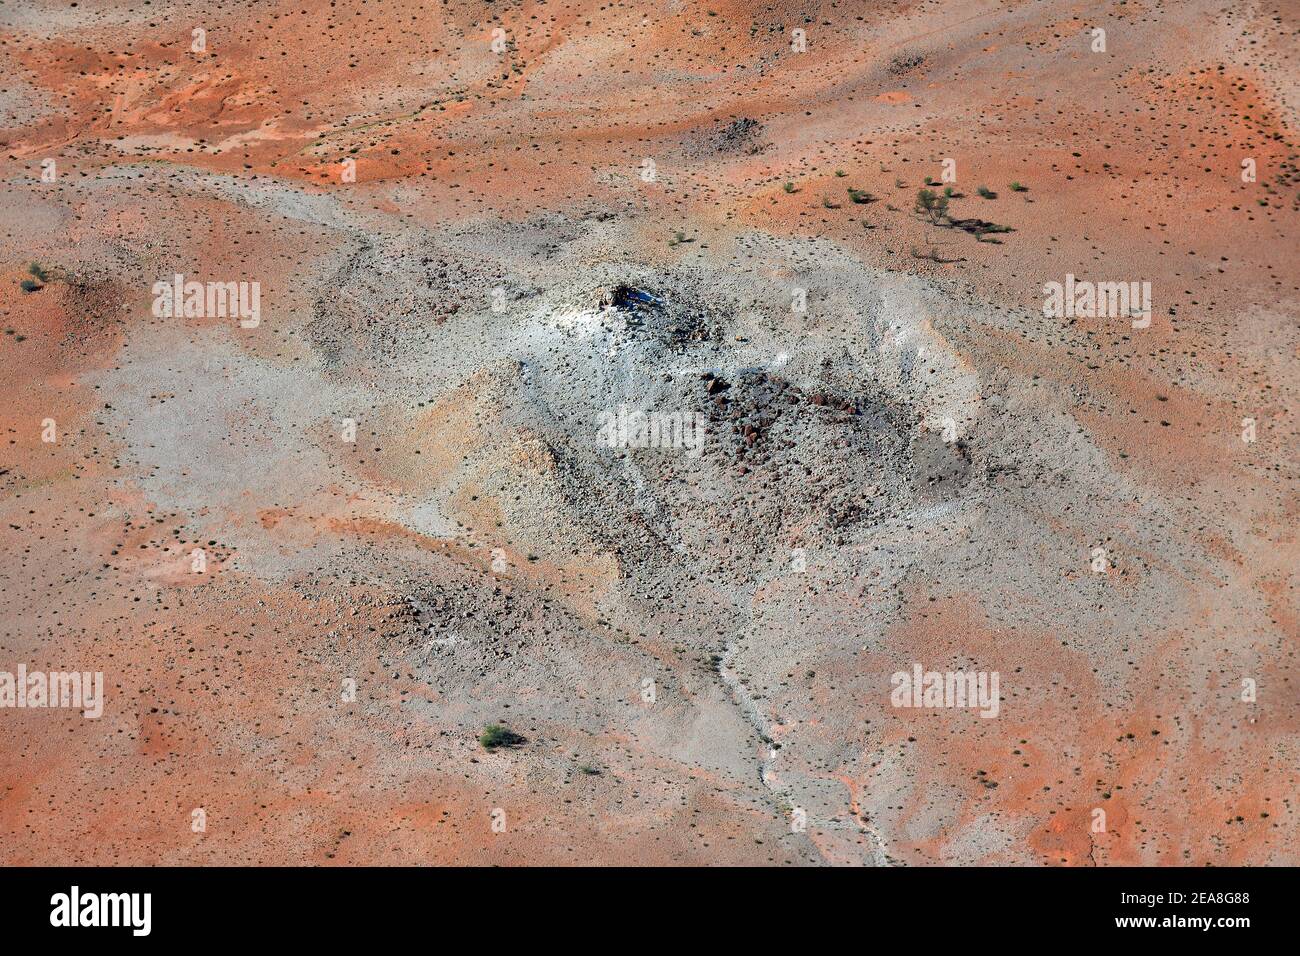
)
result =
(921, 467)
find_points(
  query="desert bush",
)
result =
(495, 735)
(931, 205)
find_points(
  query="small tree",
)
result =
(932, 205)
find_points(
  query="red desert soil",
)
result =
(472, 558)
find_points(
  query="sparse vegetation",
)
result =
(933, 255)
(38, 280)
(932, 205)
(786, 448)
(495, 735)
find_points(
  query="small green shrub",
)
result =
(931, 205)
(494, 735)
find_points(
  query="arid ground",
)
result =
(368, 582)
